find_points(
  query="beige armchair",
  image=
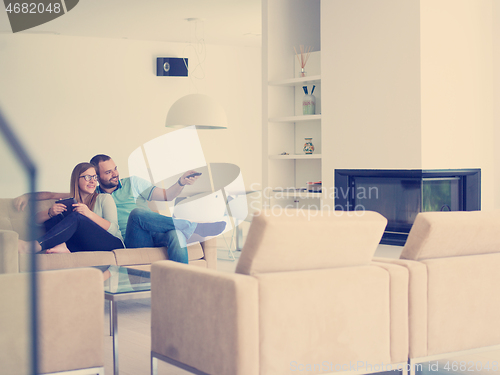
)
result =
(305, 297)
(453, 259)
(70, 322)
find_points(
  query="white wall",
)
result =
(415, 84)
(496, 99)
(69, 98)
(457, 90)
(370, 67)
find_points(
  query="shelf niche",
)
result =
(285, 126)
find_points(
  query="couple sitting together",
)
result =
(114, 214)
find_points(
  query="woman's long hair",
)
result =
(75, 187)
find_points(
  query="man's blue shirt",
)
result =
(132, 192)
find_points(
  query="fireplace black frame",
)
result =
(469, 191)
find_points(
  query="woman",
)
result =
(91, 226)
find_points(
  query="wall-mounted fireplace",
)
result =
(400, 195)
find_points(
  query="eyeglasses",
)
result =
(88, 177)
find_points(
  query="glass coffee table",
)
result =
(124, 283)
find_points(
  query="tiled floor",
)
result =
(134, 336)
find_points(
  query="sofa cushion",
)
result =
(12, 219)
(5, 224)
(73, 260)
(148, 255)
(6, 206)
(294, 239)
(144, 255)
(448, 234)
(7, 213)
(9, 256)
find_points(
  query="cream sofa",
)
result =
(453, 260)
(305, 297)
(13, 227)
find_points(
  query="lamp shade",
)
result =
(196, 109)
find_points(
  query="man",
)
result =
(140, 226)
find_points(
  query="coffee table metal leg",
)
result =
(110, 318)
(239, 237)
(114, 316)
(154, 365)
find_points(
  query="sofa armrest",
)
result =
(399, 277)
(417, 304)
(9, 255)
(210, 250)
(205, 319)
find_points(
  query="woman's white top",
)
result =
(105, 207)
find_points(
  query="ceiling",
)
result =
(228, 22)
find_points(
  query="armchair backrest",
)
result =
(294, 239)
(453, 259)
(449, 234)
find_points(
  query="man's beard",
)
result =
(108, 185)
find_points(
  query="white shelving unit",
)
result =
(296, 118)
(299, 194)
(295, 157)
(297, 81)
(285, 127)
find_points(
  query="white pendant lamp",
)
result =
(196, 109)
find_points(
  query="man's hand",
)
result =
(174, 190)
(21, 202)
(188, 181)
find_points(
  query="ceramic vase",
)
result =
(308, 146)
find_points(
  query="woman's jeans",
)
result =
(146, 228)
(80, 234)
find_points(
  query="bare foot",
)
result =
(25, 247)
(61, 248)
